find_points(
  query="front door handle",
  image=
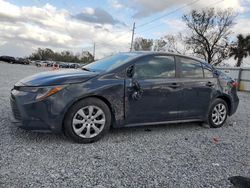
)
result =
(209, 84)
(175, 85)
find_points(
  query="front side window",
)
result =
(155, 67)
(190, 68)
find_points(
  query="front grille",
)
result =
(15, 110)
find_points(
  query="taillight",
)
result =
(235, 84)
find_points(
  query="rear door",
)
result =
(152, 93)
(197, 87)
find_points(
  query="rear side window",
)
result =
(190, 68)
(208, 72)
(155, 67)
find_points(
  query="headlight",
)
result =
(46, 92)
(42, 92)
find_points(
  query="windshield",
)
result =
(109, 63)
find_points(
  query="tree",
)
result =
(240, 49)
(87, 57)
(172, 43)
(210, 32)
(142, 44)
(176, 44)
(159, 45)
(64, 56)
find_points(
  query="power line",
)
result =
(161, 24)
(151, 21)
(169, 13)
(155, 19)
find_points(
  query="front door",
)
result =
(152, 93)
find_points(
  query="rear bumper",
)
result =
(234, 106)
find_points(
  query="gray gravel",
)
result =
(182, 155)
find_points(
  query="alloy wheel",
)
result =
(219, 114)
(88, 121)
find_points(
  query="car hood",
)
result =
(57, 77)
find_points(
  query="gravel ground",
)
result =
(181, 155)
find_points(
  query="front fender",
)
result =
(110, 91)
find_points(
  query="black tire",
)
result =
(68, 121)
(212, 106)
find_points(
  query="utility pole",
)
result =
(132, 39)
(94, 51)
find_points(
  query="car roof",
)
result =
(144, 53)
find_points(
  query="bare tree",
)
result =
(142, 44)
(176, 44)
(172, 43)
(159, 45)
(210, 31)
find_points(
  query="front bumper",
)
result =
(37, 126)
(44, 115)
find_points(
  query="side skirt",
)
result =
(163, 122)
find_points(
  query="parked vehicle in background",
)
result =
(49, 63)
(7, 59)
(22, 61)
(14, 60)
(56, 64)
(41, 63)
(127, 89)
(74, 65)
(63, 65)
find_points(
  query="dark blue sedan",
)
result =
(127, 89)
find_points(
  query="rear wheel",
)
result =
(87, 120)
(218, 113)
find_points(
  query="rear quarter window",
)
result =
(208, 72)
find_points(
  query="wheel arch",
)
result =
(106, 101)
(228, 101)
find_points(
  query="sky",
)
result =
(76, 25)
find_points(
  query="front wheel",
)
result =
(218, 113)
(87, 120)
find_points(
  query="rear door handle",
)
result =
(174, 85)
(209, 84)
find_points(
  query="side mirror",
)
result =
(130, 71)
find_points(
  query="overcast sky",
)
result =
(76, 24)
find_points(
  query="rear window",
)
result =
(190, 68)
